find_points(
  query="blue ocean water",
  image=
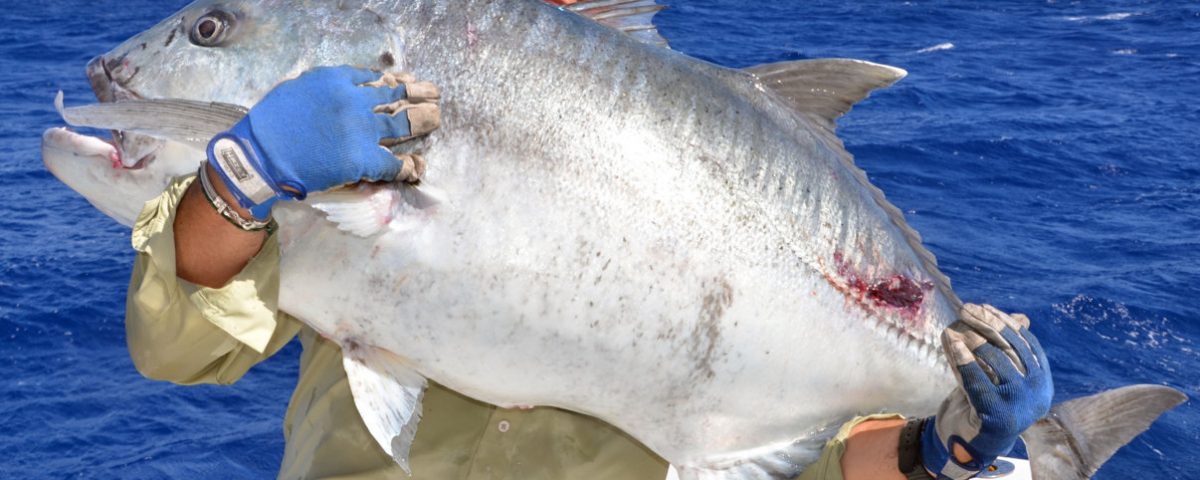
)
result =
(1045, 150)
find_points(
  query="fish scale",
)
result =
(682, 250)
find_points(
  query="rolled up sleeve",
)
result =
(185, 333)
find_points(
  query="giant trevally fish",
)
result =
(683, 250)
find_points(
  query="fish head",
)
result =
(236, 51)
(224, 51)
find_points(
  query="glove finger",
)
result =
(1027, 361)
(423, 119)
(359, 76)
(376, 98)
(1035, 346)
(999, 362)
(957, 352)
(418, 92)
(382, 167)
(976, 382)
(960, 342)
(994, 321)
(1021, 319)
(976, 316)
(389, 127)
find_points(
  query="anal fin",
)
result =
(387, 393)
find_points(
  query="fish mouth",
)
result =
(110, 78)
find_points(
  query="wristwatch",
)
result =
(910, 450)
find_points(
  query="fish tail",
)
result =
(1078, 436)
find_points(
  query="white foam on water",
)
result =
(940, 46)
(1125, 51)
(1111, 17)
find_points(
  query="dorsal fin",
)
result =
(630, 16)
(825, 89)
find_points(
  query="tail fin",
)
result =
(1078, 436)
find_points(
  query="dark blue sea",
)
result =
(1047, 151)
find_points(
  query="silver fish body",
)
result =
(605, 226)
(613, 206)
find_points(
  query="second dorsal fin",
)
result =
(630, 16)
(825, 89)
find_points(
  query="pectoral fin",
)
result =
(185, 121)
(370, 209)
(387, 393)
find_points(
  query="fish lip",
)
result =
(53, 138)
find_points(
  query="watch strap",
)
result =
(909, 451)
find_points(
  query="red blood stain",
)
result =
(896, 292)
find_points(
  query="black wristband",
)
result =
(909, 450)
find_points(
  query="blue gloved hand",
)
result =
(324, 129)
(1005, 388)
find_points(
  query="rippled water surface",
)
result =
(1046, 151)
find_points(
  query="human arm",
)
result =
(871, 450)
(188, 333)
(201, 305)
(327, 128)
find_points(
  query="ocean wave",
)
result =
(1111, 17)
(940, 46)
(1114, 322)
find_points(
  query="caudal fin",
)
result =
(1078, 436)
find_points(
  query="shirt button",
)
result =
(503, 426)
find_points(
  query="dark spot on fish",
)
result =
(143, 45)
(170, 38)
(387, 60)
(703, 339)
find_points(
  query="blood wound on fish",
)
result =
(896, 292)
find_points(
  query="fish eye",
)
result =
(211, 29)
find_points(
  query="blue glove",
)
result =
(1005, 388)
(313, 133)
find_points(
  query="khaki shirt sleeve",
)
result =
(184, 333)
(829, 466)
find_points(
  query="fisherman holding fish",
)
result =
(202, 308)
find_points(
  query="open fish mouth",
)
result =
(144, 150)
(109, 79)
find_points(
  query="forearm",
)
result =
(186, 333)
(209, 250)
(871, 451)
